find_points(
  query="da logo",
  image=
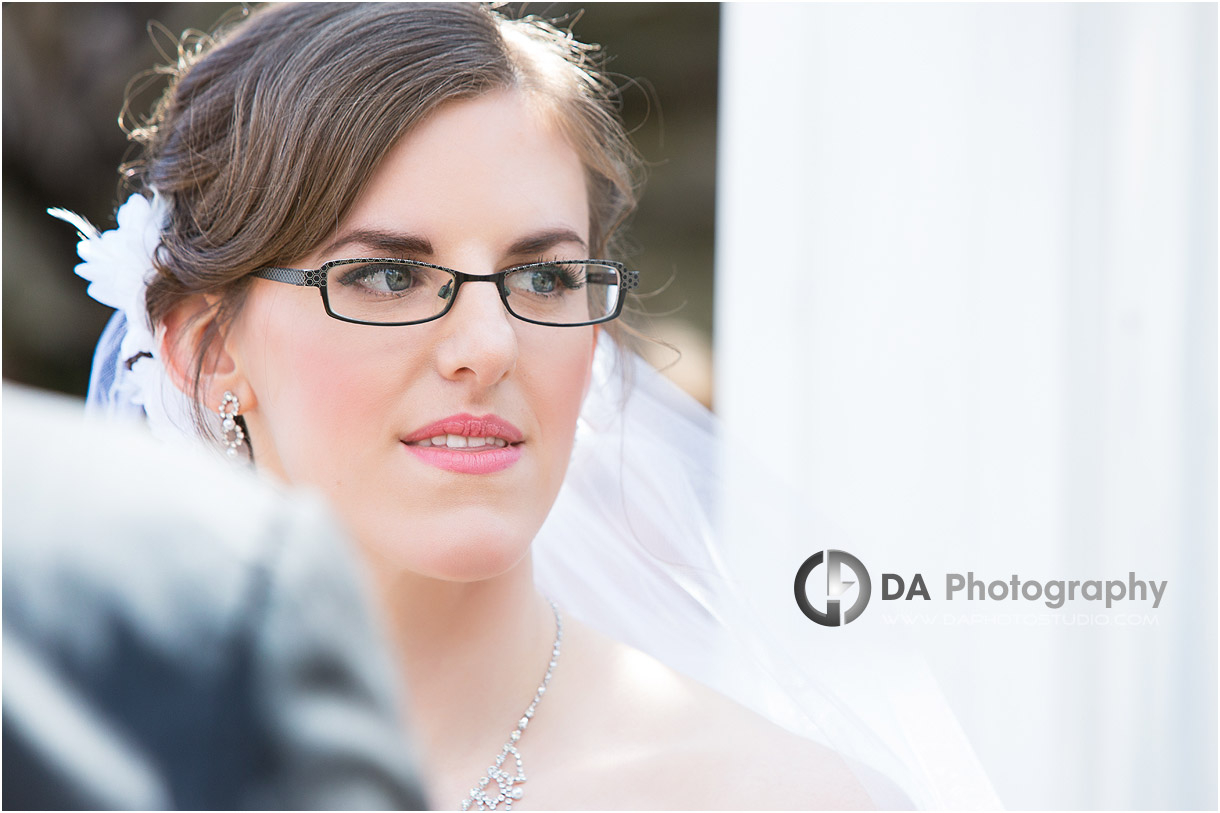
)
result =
(834, 562)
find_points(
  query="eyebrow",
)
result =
(393, 243)
(545, 240)
(410, 245)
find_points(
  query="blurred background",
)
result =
(965, 308)
(66, 67)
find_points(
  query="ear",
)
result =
(192, 328)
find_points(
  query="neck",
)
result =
(472, 655)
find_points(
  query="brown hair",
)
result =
(271, 128)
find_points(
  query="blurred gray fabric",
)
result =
(179, 633)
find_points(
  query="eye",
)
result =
(395, 279)
(542, 281)
(381, 279)
(546, 280)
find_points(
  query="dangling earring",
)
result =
(232, 432)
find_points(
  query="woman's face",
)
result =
(481, 185)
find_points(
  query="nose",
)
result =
(479, 341)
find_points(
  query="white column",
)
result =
(966, 306)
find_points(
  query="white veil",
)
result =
(632, 546)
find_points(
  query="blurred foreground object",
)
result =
(178, 634)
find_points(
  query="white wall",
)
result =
(966, 304)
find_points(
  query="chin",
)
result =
(460, 551)
(477, 557)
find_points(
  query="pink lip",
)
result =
(485, 460)
(470, 426)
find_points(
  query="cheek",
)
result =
(557, 382)
(322, 393)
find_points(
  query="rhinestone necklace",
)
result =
(505, 792)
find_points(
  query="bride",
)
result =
(372, 250)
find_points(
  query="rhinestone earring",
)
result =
(232, 432)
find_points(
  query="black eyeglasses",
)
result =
(567, 293)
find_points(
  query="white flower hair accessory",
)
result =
(129, 376)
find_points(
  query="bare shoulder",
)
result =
(645, 736)
(771, 768)
(749, 762)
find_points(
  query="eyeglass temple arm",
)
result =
(631, 279)
(292, 276)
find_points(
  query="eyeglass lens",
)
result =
(555, 293)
